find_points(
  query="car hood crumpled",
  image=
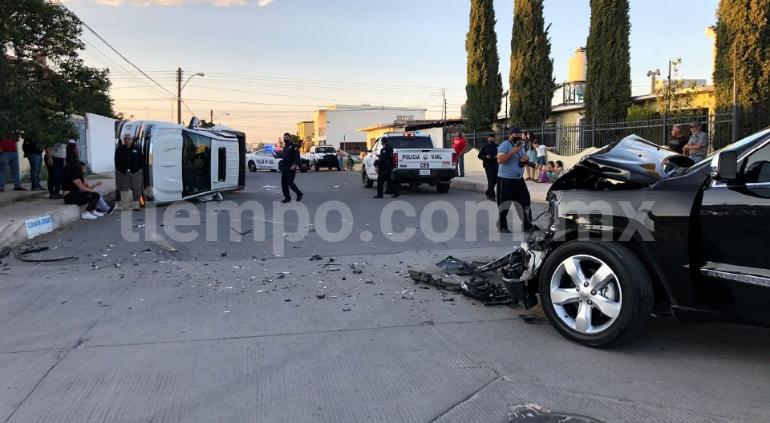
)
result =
(632, 159)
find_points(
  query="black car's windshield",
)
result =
(410, 142)
(324, 150)
(739, 147)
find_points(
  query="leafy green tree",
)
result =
(41, 94)
(484, 88)
(743, 45)
(608, 80)
(531, 79)
(639, 112)
(679, 96)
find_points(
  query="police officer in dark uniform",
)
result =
(488, 157)
(288, 168)
(384, 165)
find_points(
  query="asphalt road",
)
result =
(216, 330)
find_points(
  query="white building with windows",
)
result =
(337, 124)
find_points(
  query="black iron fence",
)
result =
(572, 139)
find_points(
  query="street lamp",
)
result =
(179, 87)
(653, 74)
(669, 92)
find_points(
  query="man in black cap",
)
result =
(488, 156)
(384, 166)
(288, 166)
(511, 188)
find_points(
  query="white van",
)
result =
(187, 162)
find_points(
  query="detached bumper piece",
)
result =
(477, 280)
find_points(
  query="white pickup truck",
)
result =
(416, 161)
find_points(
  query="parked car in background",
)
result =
(270, 160)
(323, 156)
(416, 161)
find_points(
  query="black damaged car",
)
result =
(636, 229)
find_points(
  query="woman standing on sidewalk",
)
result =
(531, 172)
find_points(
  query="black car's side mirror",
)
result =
(726, 167)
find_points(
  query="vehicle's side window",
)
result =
(757, 168)
(222, 164)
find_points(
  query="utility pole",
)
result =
(211, 114)
(443, 94)
(734, 134)
(669, 94)
(179, 96)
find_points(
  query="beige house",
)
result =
(306, 132)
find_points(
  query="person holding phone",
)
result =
(78, 192)
(511, 188)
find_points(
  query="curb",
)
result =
(482, 187)
(66, 214)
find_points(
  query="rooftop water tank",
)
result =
(578, 64)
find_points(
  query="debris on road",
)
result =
(24, 256)
(246, 232)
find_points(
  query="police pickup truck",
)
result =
(415, 161)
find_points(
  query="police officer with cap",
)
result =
(288, 166)
(511, 188)
(384, 165)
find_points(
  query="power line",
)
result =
(145, 84)
(114, 49)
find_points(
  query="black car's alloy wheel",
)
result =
(596, 293)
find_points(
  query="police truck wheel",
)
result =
(596, 293)
(317, 168)
(442, 188)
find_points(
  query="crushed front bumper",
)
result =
(476, 280)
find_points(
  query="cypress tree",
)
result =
(531, 78)
(608, 81)
(743, 36)
(484, 88)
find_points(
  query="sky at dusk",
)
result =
(270, 63)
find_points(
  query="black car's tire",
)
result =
(443, 188)
(304, 169)
(627, 294)
(252, 167)
(317, 169)
(273, 170)
(368, 183)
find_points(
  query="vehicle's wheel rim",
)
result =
(585, 294)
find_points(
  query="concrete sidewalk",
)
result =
(476, 181)
(26, 214)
